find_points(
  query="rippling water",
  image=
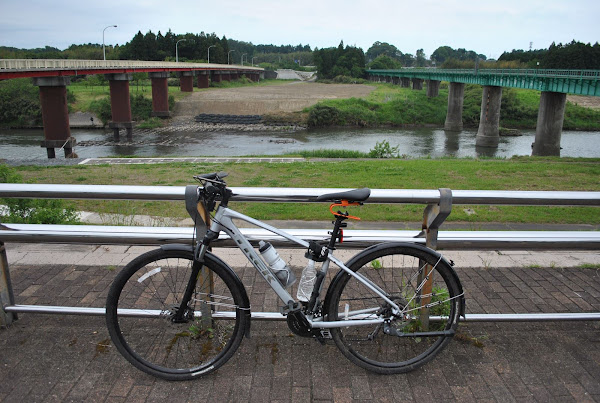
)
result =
(422, 142)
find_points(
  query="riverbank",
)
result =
(393, 106)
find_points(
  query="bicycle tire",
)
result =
(153, 284)
(395, 269)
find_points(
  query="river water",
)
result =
(415, 143)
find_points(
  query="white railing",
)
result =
(439, 204)
(68, 64)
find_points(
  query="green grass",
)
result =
(524, 173)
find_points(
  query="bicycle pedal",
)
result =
(325, 334)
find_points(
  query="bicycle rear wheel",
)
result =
(407, 339)
(142, 303)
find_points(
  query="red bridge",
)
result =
(53, 76)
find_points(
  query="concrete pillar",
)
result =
(120, 104)
(488, 134)
(203, 79)
(186, 81)
(433, 88)
(417, 84)
(549, 123)
(405, 82)
(456, 95)
(160, 94)
(215, 76)
(55, 114)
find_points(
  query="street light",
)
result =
(244, 54)
(176, 52)
(211, 46)
(103, 49)
(233, 50)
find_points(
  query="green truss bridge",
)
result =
(553, 84)
(578, 82)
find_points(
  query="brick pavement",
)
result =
(70, 358)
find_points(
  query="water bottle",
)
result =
(307, 282)
(277, 265)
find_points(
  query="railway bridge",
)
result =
(53, 76)
(553, 84)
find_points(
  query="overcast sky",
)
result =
(483, 26)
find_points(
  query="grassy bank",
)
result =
(391, 105)
(515, 174)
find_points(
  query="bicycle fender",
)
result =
(209, 256)
(396, 244)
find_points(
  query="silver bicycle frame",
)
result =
(223, 221)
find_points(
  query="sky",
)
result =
(487, 27)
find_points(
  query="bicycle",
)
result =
(179, 311)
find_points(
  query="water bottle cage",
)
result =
(316, 252)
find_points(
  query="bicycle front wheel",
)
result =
(420, 282)
(141, 307)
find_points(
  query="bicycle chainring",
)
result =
(299, 325)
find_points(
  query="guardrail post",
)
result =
(433, 216)
(6, 292)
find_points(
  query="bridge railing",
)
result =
(438, 207)
(69, 64)
(562, 73)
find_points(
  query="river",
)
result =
(415, 143)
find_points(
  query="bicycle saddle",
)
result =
(356, 195)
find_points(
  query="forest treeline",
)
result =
(346, 61)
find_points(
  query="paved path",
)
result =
(54, 358)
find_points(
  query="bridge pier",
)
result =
(160, 94)
(120, 104)
(215, 76)
(55, 115)
(549, 124)
(433, 88)
(488, 134)
(417, 84)
(405, 82)
(456, 95)
(186, 81)
(203, 79)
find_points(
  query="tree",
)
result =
(340, 61)
(421, 59)
(382, 48)
(384, 62)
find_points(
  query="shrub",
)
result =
(141, 107)
(19, 103)
(101, 108)
(384, 150)
(323, 115)
(34, 211)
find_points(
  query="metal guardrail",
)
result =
(562, 73)
(438, 202)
